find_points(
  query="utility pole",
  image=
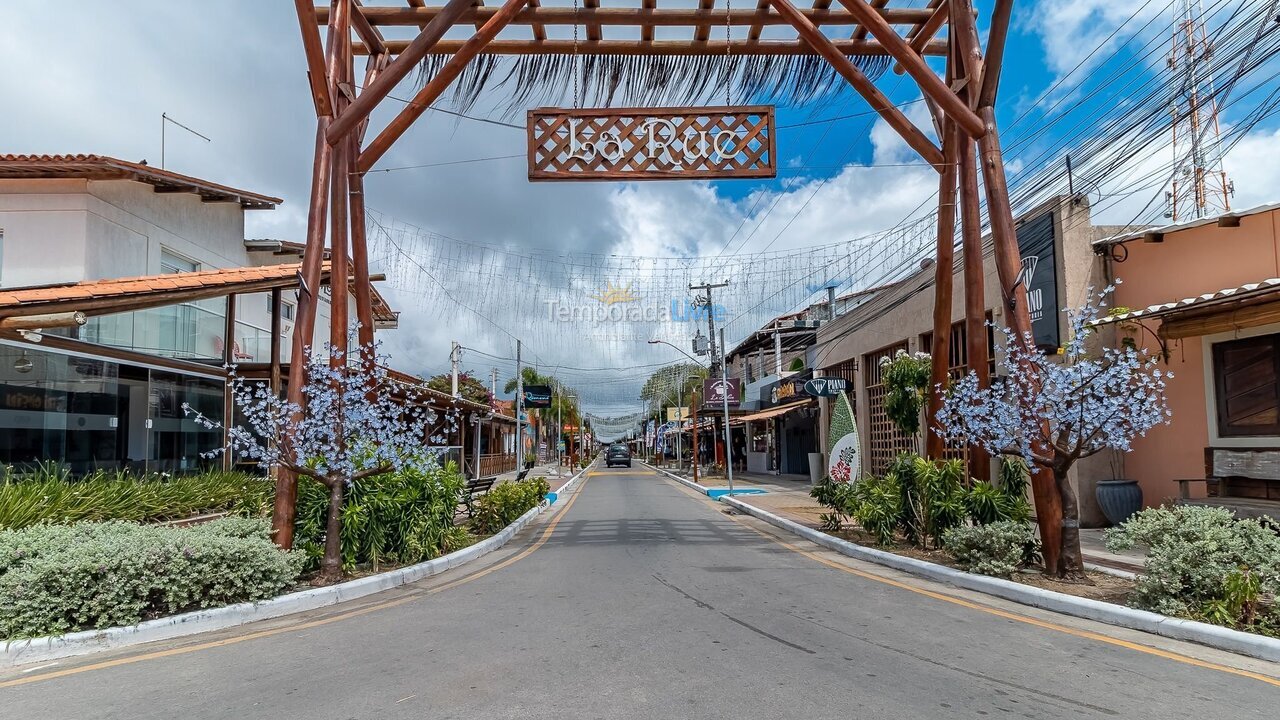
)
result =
(711, 322)
(724, 395)
(693, 402)
(519, 406)
(455, 356)
(493, 383)
(777, 347)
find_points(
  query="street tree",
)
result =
(1054, 412)
(469, 387)
(672, 385)
(358, 423)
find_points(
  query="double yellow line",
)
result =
(1016, 617)
(156, 655)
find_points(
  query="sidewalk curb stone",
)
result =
(1235, 641)
(45, 649)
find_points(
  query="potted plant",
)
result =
(1119, 497)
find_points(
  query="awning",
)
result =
(1240, 307)
(774, 411)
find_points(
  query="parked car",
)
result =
(617, 454)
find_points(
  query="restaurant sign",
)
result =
(716, 391)
(652, 143)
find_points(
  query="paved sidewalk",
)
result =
(546, 470)
(788, 496)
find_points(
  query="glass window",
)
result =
(177, 441)
(173, 263)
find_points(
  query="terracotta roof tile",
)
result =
(102, 167)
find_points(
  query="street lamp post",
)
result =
(695, 417)
(728, 434)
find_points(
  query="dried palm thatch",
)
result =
(646, 80)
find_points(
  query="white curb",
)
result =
(689, 483)
(22, 652)
(1244, 643)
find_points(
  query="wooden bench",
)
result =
(1245, 481)
(474, 488)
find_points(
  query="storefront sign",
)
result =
(1039, 276)
(826, 387)
(677, 414)
(651, 143)
(845, 462)
(785, 390)
(537, 396)
(715, 391)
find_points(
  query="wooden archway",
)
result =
(961, 101)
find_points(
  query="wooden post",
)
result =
(275, 341)
(360, 255)
(286, 495)
(693, 409)
(942, 288)
(340, 274)
(975, 303)
(228, 359)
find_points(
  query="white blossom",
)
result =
(1055, 412)
(359, 421)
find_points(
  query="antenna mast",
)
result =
(1200, 185)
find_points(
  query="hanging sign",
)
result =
(714, 392)
(1039, 275)
(677, 414)
(826, 387)
(845, 462)
(652, 143)
(537, 396)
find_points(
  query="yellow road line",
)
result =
(156, 655)
(1086, 634)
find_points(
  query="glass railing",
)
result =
(189, 331)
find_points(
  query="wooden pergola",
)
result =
(846, 34)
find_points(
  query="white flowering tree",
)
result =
(1055, 411)
(357, 423)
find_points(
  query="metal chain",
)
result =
(575, 55)
(728, 70)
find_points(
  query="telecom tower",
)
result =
(1200, 185)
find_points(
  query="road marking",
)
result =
(1026, 619)
(156, 655)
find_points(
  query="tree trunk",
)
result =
(331, 565)
(1070, 561)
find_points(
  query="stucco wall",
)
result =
(1190, 262)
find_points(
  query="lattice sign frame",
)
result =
(681, 143)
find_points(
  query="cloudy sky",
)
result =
(94, 77)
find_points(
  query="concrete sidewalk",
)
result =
(788, 496)
(546, 470)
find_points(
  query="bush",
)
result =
(876, 503)
(505, 503)
(49, 494)
(402, 517)
(56, 579)
(996, 549)
(1205, 564)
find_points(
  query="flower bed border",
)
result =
(44, 649)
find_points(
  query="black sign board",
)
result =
(537, 396)
(826, 387)
(1039, 275)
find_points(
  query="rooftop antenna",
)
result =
(1200, 185)
(164, 121)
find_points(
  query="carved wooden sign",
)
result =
(652, 143)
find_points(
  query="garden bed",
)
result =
(1096, 586)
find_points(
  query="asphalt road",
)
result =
(642, 600)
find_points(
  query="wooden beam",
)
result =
(861, 32)
(646, 30)
(228, 360)
(927, 32)
(930, 84)
(409, 57)
(635, 17)
(314, 53)
(996, 36)
(371, 36)
(860, 82)
(964, 32)
(762, 6)
(975, 295)
(943, 275)
(433, 89)
(702, 31)
(659, 47)
(539, 29)
(593, 28)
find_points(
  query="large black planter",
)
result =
(1119, 499)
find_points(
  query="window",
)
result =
(286, 309)
(171, 263)
(1246, 379)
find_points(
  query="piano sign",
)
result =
(652, 143)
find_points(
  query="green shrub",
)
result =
(49, 494)
(56, 579)
(906, 379)
(876, 504)
(996, 549)
(506, 502)
(402, 517)
(1205, 564)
